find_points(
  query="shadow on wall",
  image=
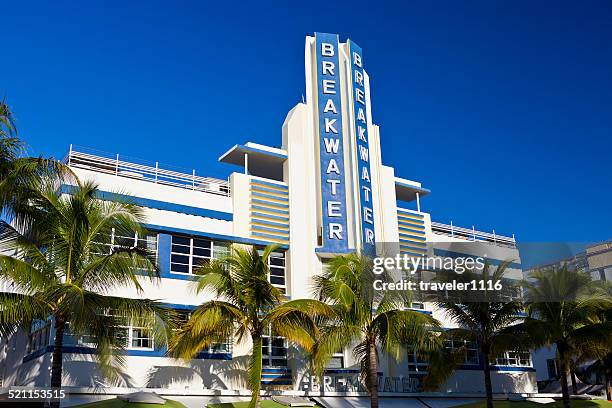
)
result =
(212, 374)
(86, 373)
(34, 373)
(514, 382)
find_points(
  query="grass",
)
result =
(529, 404)
(117, 403)
(264, 404)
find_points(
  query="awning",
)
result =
(263, 161)
(406, 190)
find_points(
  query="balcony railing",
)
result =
(472, 234)
(89, 159)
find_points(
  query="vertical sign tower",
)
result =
(361, 143)
(331, 145)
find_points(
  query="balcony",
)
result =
(473, 235)
(102, 162)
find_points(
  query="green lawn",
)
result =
(528, 404)
(264, 404)
(117, 403)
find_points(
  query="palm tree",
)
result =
(21, 177)
(7, 120)
(367, 319)
(68, 275)
(482, 317)
(246, 307)
(561, 305)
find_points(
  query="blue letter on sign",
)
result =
(333, 189)
(363, 150)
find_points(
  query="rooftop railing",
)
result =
(90, 159)
(472, 234)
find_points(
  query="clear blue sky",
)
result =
(502, 108)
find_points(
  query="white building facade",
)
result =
(324, 192)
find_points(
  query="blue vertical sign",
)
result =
(331, 152)
(363, 149)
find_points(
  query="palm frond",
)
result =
(210, 323)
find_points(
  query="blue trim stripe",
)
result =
(427, 312)
(415, 244)
(179, 276)
(229, 238)
(415, 228)
(269, 203)
(269, 184)
(409, 214)
(130, 352)
(417, 250)
(416, 217)
(278, 231)
(415, 224)
(412, 235)
(276, 370)
(283, 225)
(411, 223)
(255, 214)
(274, 375)
(341, 371)
(269, 236)
(271, 198)
(274, 210)
(178, 306)
(267, 190)
(156, 204)
(413, 252)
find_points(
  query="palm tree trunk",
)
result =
(372, 374)
(573, 378)
(57, 356)
(256, 370)
(487, 379)
(564, 371)
(608, 386)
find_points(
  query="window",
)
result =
(220, 348)
(188, 253)
(134, 335)
(276, 264)
(274, 350)
(471, 349)
(418, 305)
(515, 359)
(107, 244)
(141, 338)
(337, 361)
(416, 364)
(553, 371)
(77, 340)
(39, 336)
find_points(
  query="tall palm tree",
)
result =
(482, 317)
(246, 307)
(21, 177)
(69, 274)
(562, 304)
(367, 319)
